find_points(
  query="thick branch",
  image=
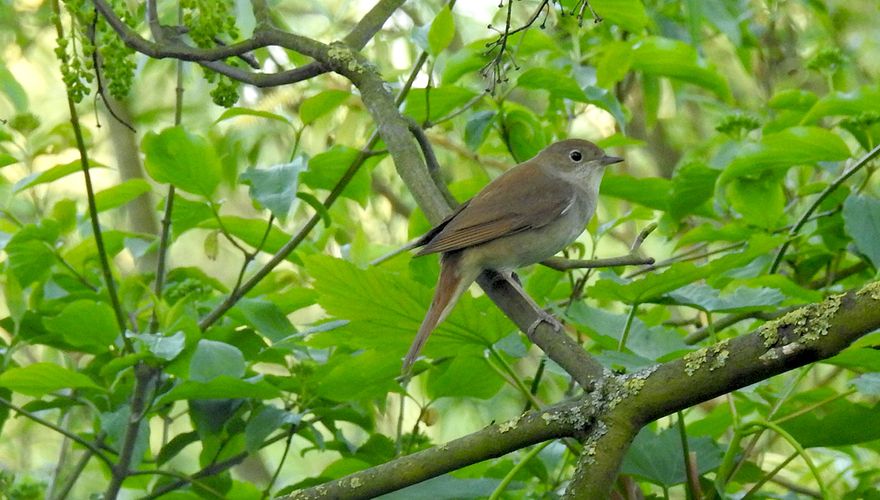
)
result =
(607, 419)
(811, 333)
(492, 441)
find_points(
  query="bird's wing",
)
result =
(519, 200)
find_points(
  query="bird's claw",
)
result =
(544, 317)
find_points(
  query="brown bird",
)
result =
(526, 215)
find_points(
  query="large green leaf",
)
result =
(658, 457)
(327, 168)
(275, 187)
(121, 194)
(212, 359)
(629, 14)
(781, 150)
(187, 214)
(836, 423)
(670, 58)
(265, 317)
(652, 192)
(692, 186)
(365, 375)
(13, 90)
(464, 376)
(443, 100)
(861, 215)
(184, 159)
(556, 82)
(442, 31)
(50, 175)
(30, 253)
(385, 308)
(38, 379)
(865, 99)
(85, 323)
(760, 201)
(709, 299)
(221, 387)
(321, 104)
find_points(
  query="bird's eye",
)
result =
(575, 155)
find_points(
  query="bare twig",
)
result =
(631, 259)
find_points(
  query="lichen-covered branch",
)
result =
(608, 418)
(805, 335)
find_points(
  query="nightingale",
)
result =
(524, 216)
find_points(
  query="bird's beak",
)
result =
(608, 160)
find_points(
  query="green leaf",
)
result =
(385, 308)
(443, 101)
(188, 214)
(442, 31)
(464, 376)
(648, 343)
(121, 194)
(38, 379)
(221, 387)
(760, 201)
(614, 63)
(556, 82)
(165, 347)
(865, 99)
(628, 14)
(326, 169)
(7, 159)
(234, 112)
(212, 359)
(264, 317)
(652, 192)
(861, 215)
(85, 323)
(275, 187)
(53, 174)
(30, 252)
(13, 90)
(658, 457)
(183, 159)
(321, 104)
(692, 186)
(664, 57)
(526, 132)
(365, 375)
(781, 150)
(742, 299)
(264, 423)
(477, 127)
(832, 424)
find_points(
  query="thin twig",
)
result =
(631, 259)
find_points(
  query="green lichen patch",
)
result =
(807, 324)
(344, 57)
(870, 290)
(508, 426)
(714, 356)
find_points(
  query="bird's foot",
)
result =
(544, 317)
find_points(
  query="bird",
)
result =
(524, 216)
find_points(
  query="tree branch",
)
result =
(608, 418)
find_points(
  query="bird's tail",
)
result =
(451, 284)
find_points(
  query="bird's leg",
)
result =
(543, 316)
